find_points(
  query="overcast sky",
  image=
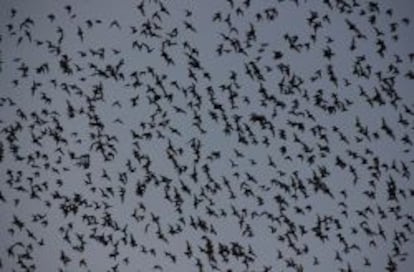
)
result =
(122, 107)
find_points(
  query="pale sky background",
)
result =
(290, 19)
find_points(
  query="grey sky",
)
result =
(289, 18)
